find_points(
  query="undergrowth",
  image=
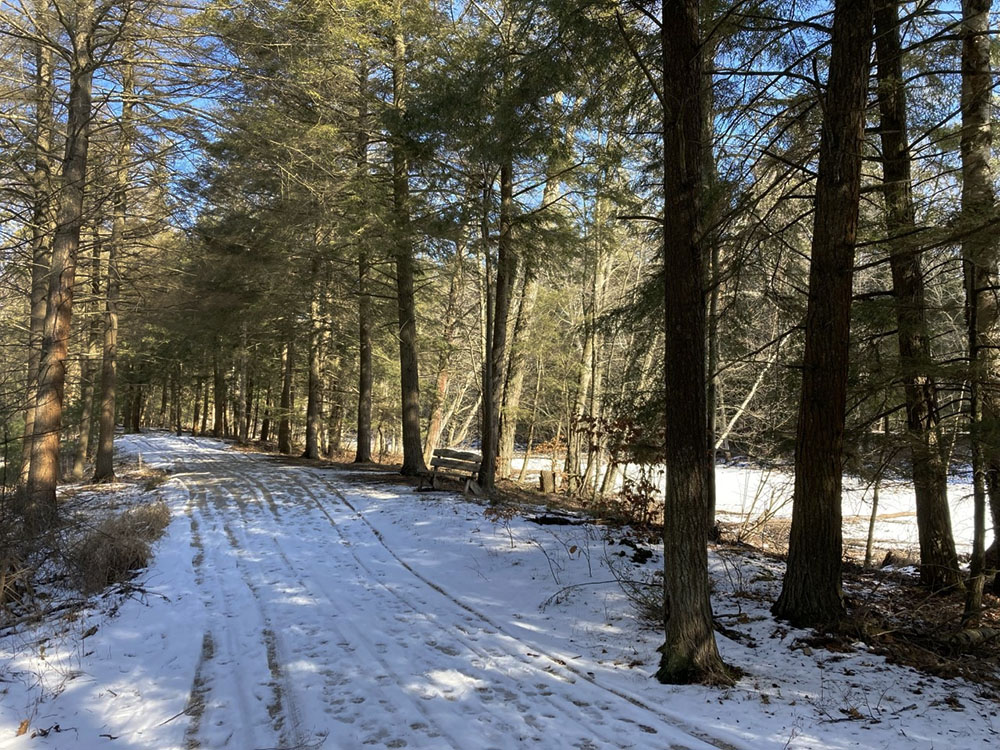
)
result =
(101, 539)
(117, 547)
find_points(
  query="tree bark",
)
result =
(104, 470)
(204, 410)
(314, 401)
(413, 459)
(265, 424)
(284, 424)
(811, 591)
(88, 368)
(363, 451)
(41, 228)
(198, 385)
(135, 412)
(175, 400)
(689, 653)
(938, 559)
(495, 356)
(574, 431)
(979, 255)
(532, 421)
(44, 472)
(219, 397)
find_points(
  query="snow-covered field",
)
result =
(296, 607)
(748, 495)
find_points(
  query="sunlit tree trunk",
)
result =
(314, 401)
(88, 368)
(41, 226)
(284, 423)
(982, 286)
(44, 473)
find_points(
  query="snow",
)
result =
(749, 495)
(298, 607)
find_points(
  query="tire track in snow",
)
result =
(591, 702)
(572, 709)
(223, 650)
(723, 743)
(225, 472)
(358, 637)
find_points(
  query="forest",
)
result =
(616, 235)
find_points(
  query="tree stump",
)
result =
(547, 482)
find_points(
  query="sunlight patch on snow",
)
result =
(449, 684)
(299, 599)
(302, 666)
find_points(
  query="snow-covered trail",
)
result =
(291, 607)
(315, 633)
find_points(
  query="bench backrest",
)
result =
(446, 458)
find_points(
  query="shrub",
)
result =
(118, 546)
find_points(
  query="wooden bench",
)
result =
(463, 464)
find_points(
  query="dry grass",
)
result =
(15, 581)
(118, 546)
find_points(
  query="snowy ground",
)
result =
(294, 607)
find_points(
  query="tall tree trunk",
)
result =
(689, 653)
(241, 400)
(88, 368)
(496, 352)
(104, 470)
(532, 421)
(712, 257)
(265, 424)
(363, 451)
(252, 402)
(219, 397)
(938, 560)
(314, 401)
(595, 406)
(413, 459)
(135, 414)
(811, 590)
(175, 400)
(285, 424)
(164, 401)
(979, 254)
(509, 413)
(44, 473)
(204, 410)
(575, 429)
(522, 325)
(41, 227)
(199, 383)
